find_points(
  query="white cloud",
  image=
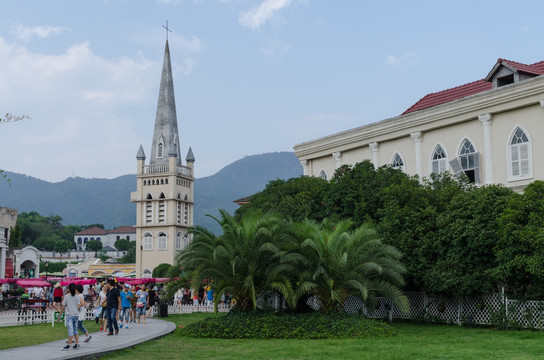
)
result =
(27, 33)
(88, 113)
(406, 59)
(258, 15)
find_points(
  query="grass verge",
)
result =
(26, 335)
(414, 341)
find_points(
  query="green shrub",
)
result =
(270, 325)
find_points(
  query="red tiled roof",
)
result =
(95, 230)
(124, 230)
(536, 68)
(472, 88)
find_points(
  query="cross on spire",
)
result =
(167, 29)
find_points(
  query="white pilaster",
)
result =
(418, 149)
(338, 158)
(2, 259)
(304, 164)
(487, 122)
(375, 148)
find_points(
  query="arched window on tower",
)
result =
(397, 162)
(520, 155)
(161, 241)
(160, 150)
(468, 162)
(149, 209)
(162, 209)
(178, 241)
(147, 241)
(439, 160)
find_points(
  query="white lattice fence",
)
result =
(527, 314)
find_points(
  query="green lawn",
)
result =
(26, 335)
(413, 342)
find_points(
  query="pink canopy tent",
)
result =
(32, 283)
(8, 281)
(144, 280)
(78, 282)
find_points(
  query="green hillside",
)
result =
(82, 201)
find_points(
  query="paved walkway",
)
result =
(99, 345)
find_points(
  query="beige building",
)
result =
(164, 193)
(488, 128)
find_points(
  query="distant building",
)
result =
(164, 191)
(15, 261)
(490, 129)
(107, 238)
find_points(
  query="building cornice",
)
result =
(494, 101)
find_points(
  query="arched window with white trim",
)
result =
(162, 241)
(467, 162)
(439, 160)
(323, 175)
(520, 155)
(397, 162)
(147, 241)
(178, 241)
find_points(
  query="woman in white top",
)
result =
(71, 304)
(100, 300)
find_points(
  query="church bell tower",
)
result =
(164, 193)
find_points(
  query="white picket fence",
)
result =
(14, 317)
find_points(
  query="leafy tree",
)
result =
(520, 249)
(94, 245)
(237, 260)
(46, 243)
(468, 231)
(333, 262)
(15, 236)
(296, 198)
(63, 246)
(122, 244)
(161, 270)
(355, 191)
(130, 256)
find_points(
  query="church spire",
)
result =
(165, 135)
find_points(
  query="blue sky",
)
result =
(251, 76)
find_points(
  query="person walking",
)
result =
(114, 304)
(101, 303)
(125, 304)
(133, 301)
(58, 296)
(72, 303)
(142, 303)
(82, 315)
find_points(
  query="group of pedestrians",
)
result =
(117, 305)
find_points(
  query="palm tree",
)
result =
(238, 260)
(333, 263)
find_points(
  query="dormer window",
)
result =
(160, 151)
(505, 80)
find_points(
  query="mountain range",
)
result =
(81, 201)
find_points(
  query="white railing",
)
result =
(14, 317)
(164, 168)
